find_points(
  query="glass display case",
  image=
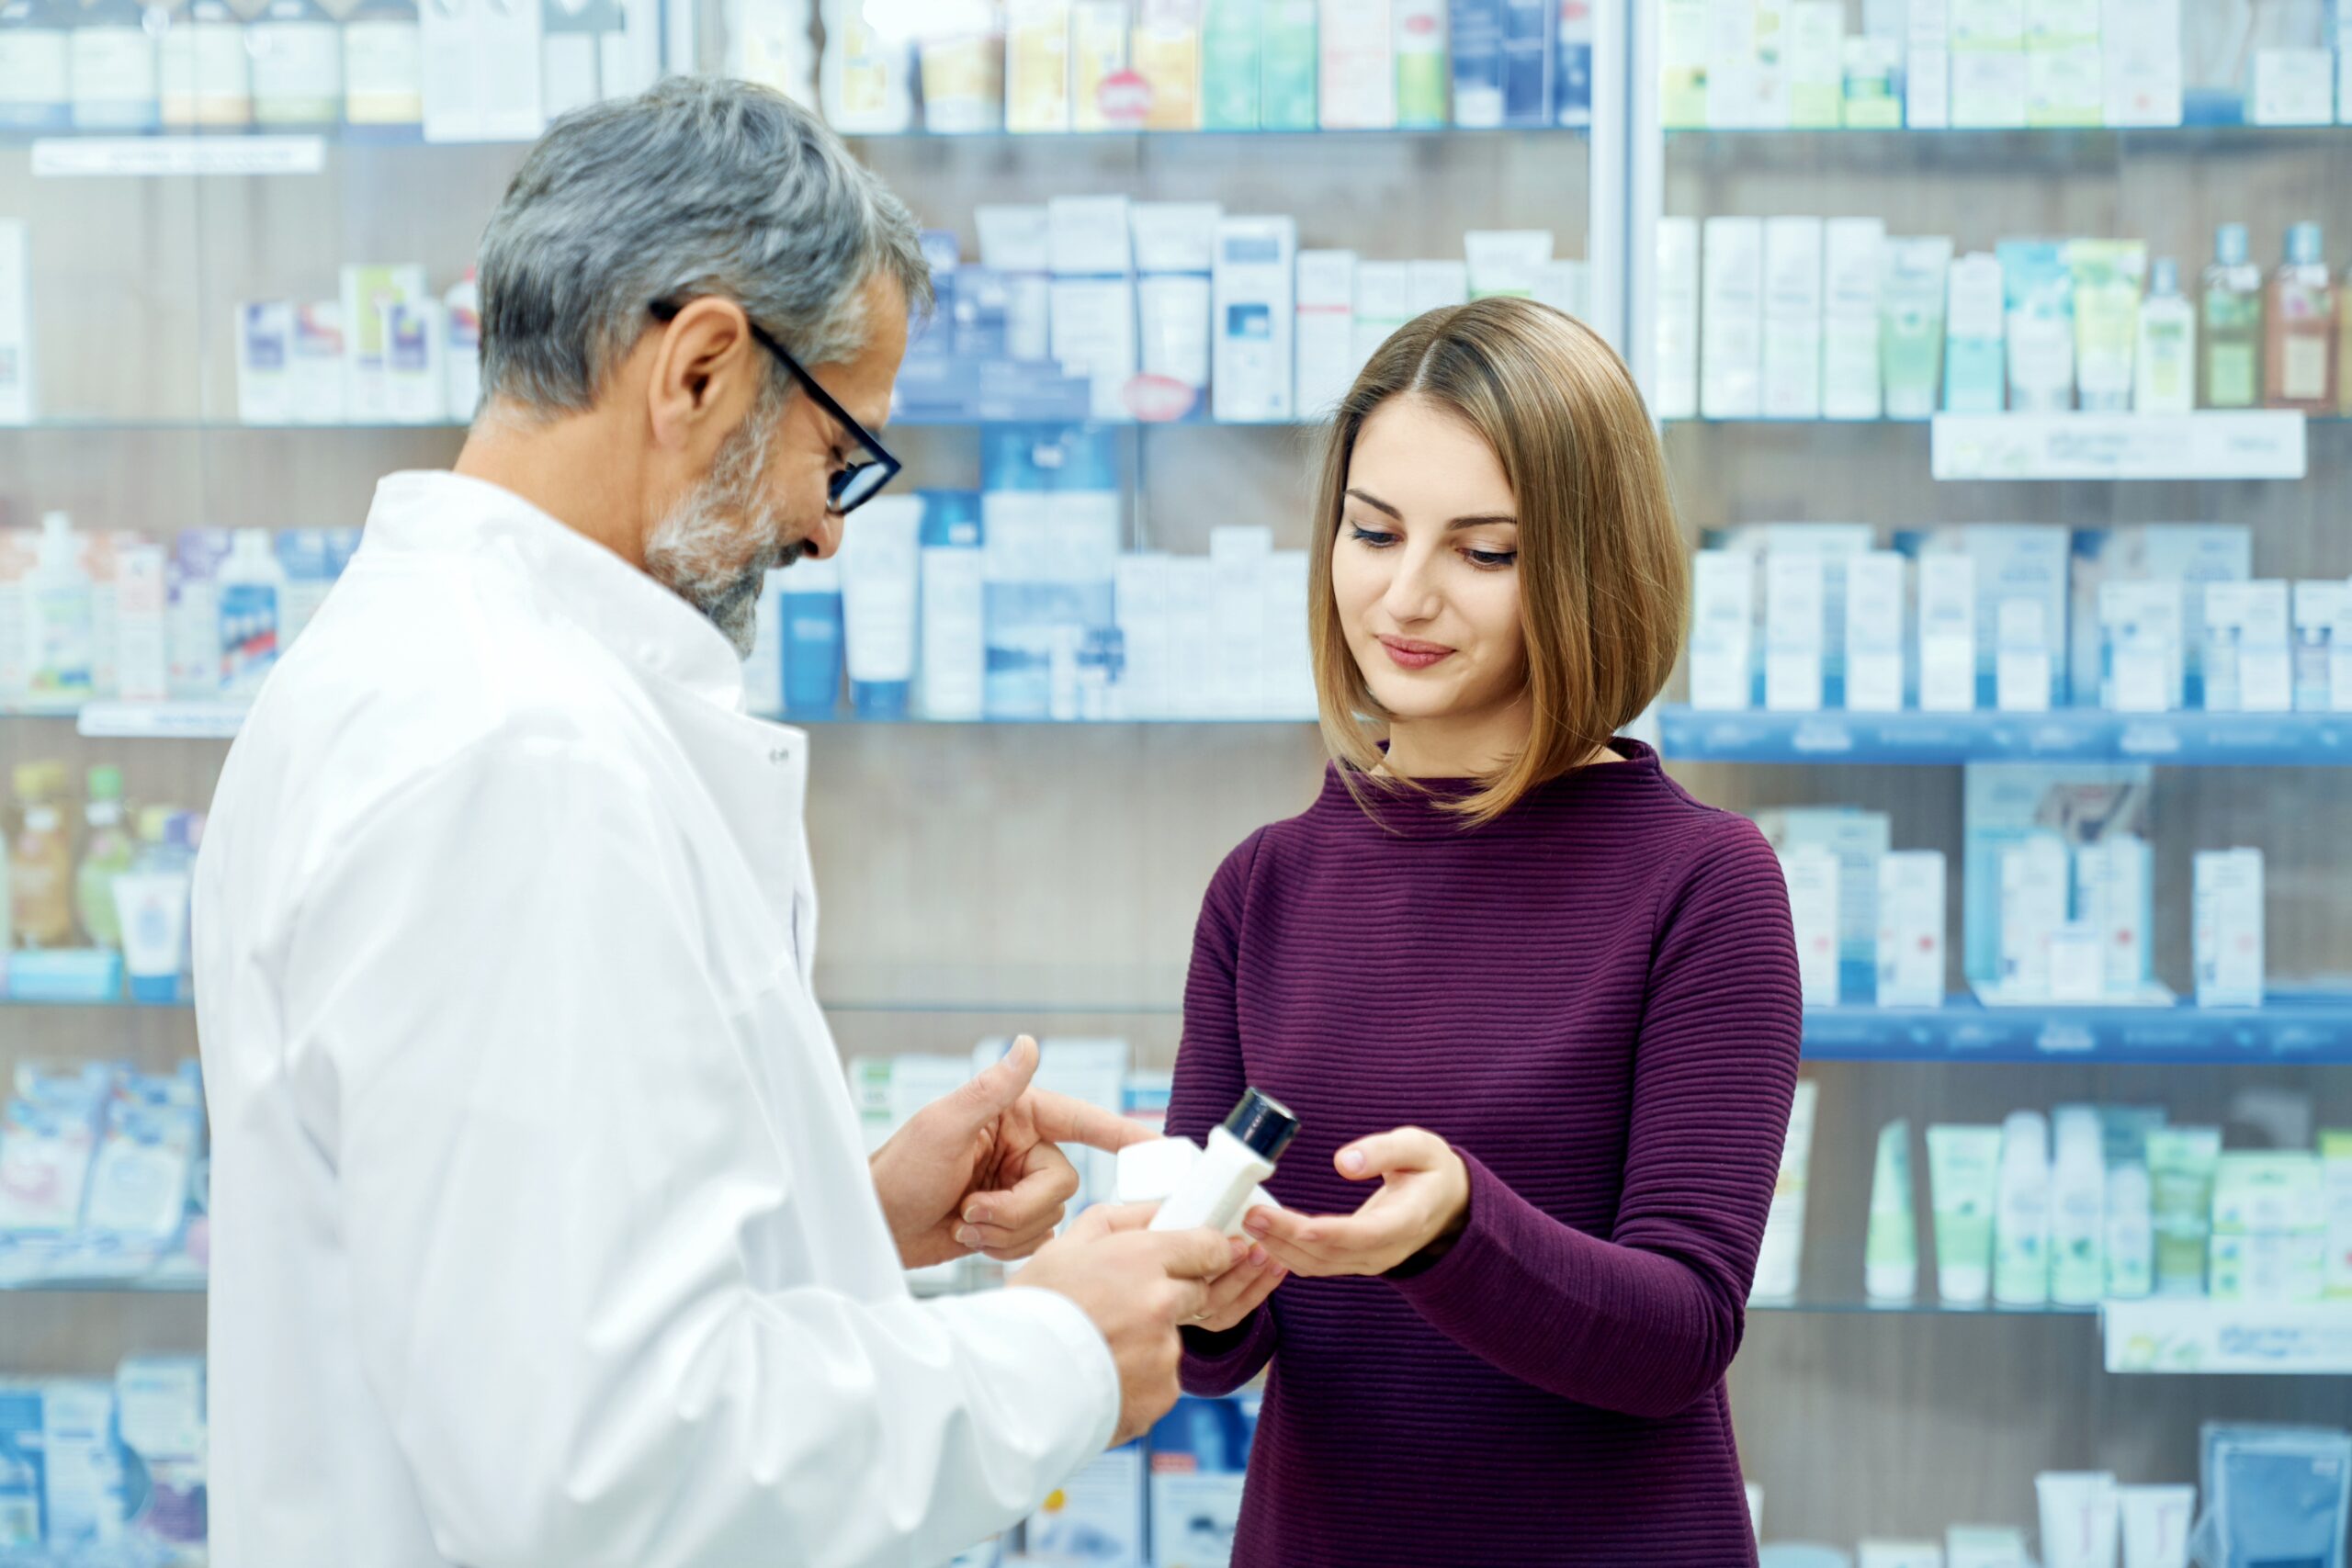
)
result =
(1999, 611)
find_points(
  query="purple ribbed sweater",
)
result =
(1594, 999)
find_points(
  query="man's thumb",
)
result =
(996, 1090)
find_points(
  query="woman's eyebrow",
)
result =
(1476, 520)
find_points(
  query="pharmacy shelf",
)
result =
(2195, 1336)
(1259, 134)
(2292, 1028)
(195, 425)
(2233, 130)
(221, 721)
(1925, 1305)
(160, 721)
(176, 1284)
(2258, 444)
(2177, 739)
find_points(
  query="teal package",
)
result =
(1287, 44)
(1229, 66)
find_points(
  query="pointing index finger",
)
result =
(1062, 1119)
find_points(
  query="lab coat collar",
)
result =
(645, 625)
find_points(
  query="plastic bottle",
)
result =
(1240, 1156)
(41, 859)
(298, 65)
(2021, 1213)
(2230, 355)
(2079, 1209)
(2165, 368)
(866, 80)
(115, 65)
(36, 80)
(107, 852)
(574, 42)
(2299, 356)
(383, 65)
(252, 598)
(61, 624)
(461, 358)
(207, 81)
(2343, 336)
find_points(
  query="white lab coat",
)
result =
(542, 1231)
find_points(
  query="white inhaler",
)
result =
(1240, 1155)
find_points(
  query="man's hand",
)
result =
(1424, 1201)
(1138, 1286)
(978, 1170)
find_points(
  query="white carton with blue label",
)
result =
(1200, 1452)
(2021, 579)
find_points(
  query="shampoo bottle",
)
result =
(2299, 356)
(207, 79)
(2021, 1213)
(2131, 1232)
(298, 65)
(383, 65)
(2165, 368)
(2077, 1215)
(251, 597)
(60, 628)
(106, 852)
(1240, 1156)
(114, 67)
(2230, 358)
(41, 859)
(864, 82)
(36, 80)
(1891, 1250)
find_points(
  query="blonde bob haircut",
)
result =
(1603, 579)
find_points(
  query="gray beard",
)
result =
(698, 551)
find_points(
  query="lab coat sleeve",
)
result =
(555, 1176)
(1644, 1320)
(1210, 1079)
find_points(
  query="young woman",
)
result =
(1515, 982)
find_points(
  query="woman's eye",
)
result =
(1491, 560)
(1372, 536)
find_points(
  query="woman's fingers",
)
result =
(1240, 1290)
(1407, 1148)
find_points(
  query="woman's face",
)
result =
(1425, 569)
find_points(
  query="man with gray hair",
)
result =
(543, 1229)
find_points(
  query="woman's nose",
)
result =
(1412, 594)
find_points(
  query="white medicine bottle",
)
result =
(1240, 1156)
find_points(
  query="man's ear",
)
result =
(704, 370)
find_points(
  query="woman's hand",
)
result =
(1240, 1289)
(1424, 1201)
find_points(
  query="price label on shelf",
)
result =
(2265, 444)
(2208, 1337)
(78, 157)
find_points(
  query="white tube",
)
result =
(2156, 1521)
(154, 910)
(1778, 1259)
(2078, 1518)
(878, 575)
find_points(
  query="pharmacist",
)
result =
(543, 1233)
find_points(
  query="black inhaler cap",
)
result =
(1262, 1124)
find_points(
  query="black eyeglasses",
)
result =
(862, 479)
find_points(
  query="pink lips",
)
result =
(1412, 655)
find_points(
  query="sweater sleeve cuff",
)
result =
(1485, 1281)
(1219, 1363)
